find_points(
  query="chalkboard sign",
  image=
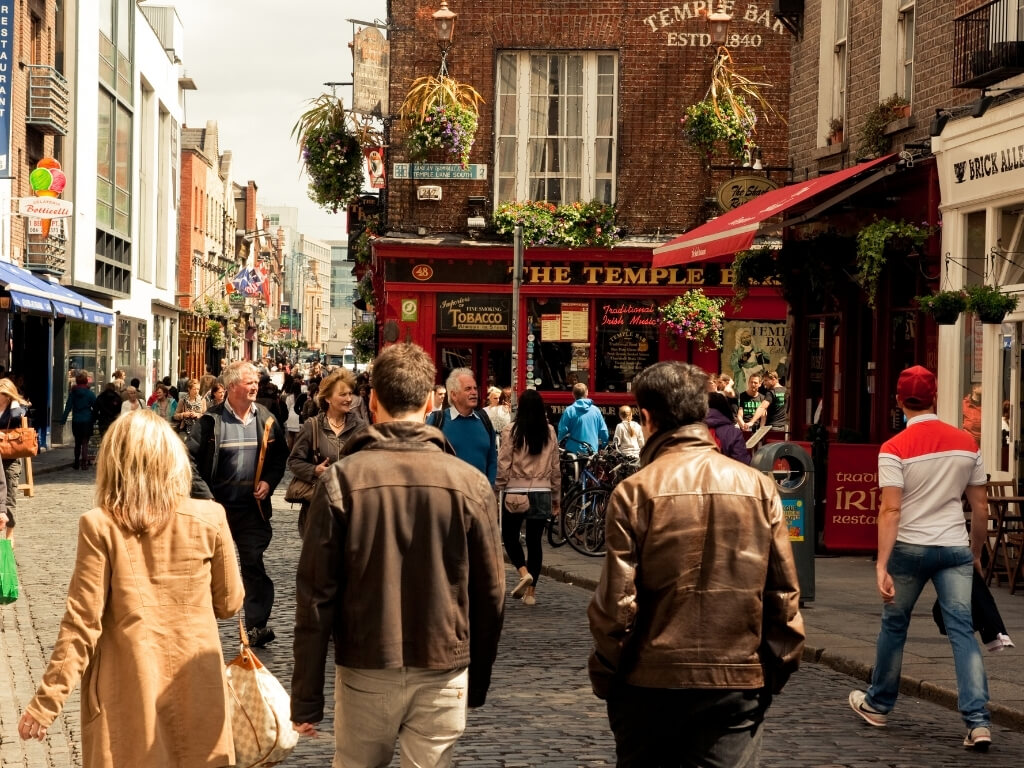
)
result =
(627, 342)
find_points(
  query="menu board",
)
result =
(627, 342)
(575, 321)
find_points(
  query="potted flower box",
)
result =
(835, 131)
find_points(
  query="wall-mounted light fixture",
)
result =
(444, 32)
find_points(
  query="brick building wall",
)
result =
(661, 72)
(28, 145)
(932, 89)
(191, 237)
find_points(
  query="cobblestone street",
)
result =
(540, 711)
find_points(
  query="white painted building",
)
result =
(123, 173)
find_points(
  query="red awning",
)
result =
(734, 231)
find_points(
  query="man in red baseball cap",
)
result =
(923, 472)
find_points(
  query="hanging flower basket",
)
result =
(443, 115)
(944, 306)
(330, 153)
(989, 303)
(215, 333)
(694, 317)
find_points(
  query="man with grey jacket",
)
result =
(401, 564)
(696, 617)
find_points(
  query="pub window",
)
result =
(627, 342)
(555, 126)
(559, 350)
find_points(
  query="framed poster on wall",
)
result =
(755, 347)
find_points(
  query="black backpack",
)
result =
(438, 421)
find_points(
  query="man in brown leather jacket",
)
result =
(401, 564)
(696, 618)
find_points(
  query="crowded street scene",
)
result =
(429, 383)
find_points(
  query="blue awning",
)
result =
(31, 293)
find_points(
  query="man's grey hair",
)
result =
(236, 371)
(452, 383)
(673, 393)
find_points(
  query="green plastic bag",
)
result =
(8, 573)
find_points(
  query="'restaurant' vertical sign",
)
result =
(6, 51)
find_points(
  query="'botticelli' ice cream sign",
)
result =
(684, 24)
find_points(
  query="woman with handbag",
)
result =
(530, 484)
(154, 571)
(12, 415)
(191, 406)
(321, 438)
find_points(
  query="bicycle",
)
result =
(583, 510)
(569, 464)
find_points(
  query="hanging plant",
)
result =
(989, 303)
(874, 139)
(728, 113)
(361, 248)
(364, 341)
(755, 267)
(944, 306)
(875, 241)
(215, 333)
(574, 225)
(443, 115)
(694, 317)
(330, 153)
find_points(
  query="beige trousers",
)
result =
(424, 709)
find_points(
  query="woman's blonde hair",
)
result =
(328, 385)
(493, 391)
(625, 412)
(7, 388)
(142, 472)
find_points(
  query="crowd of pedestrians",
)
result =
(417, 489)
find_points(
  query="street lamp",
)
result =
(718, 26)
(444, 31)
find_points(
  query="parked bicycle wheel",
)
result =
(556, 538)
(583, 520)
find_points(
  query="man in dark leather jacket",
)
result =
(696, 616)
(238, 452)
(402, 565)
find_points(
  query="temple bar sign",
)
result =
(692, 15)
(472, 172)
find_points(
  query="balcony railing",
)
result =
(46, 253)
(47, 100)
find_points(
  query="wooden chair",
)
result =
(996, 554)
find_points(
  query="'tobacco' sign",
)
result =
(45, 207)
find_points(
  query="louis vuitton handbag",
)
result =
(260, 711)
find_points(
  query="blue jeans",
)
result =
(950, 570)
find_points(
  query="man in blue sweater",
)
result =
(582, 422)
(467, 427)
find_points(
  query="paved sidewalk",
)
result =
(842, 624)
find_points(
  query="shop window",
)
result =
(627, 342)
(555, 126)
(558, 343)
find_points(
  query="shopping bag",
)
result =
(260, 711)
(8, 573)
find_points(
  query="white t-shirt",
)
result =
(629, 438)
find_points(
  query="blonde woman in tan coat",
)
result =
(154, 571)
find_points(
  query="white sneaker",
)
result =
(1000, 643)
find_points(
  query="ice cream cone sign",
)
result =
(47, 180)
